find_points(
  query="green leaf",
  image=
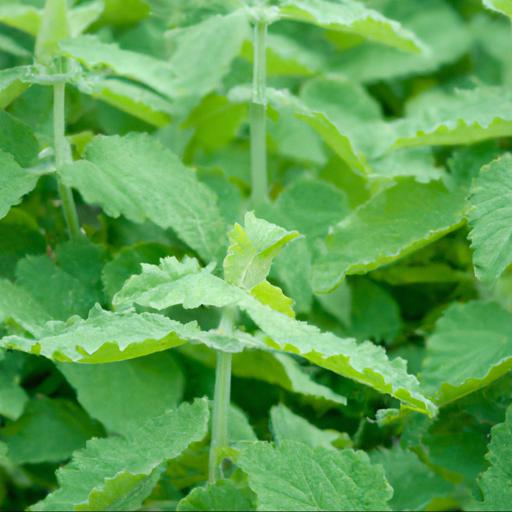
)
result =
(10, 45)
(201, 57)
(50, 430)
(440, 27)
(470, 348)
(173, 282)
(273, 297)
(495, 482)
(13, 397)
(222, 495)
(17, 139)
(295, 476)
(15, 182)
(118, 473)
(288, 426)
(392, 224)
(12, 83)
(354, 18)
(415, 485)
(252, 249)
(82, 16)
(128, 97)
(137, 389)
(501, 6)
(54, 29)
(94, 54)
(489, 218)
(23, 17)
(364, 362)
(155, 186)
(463, 117)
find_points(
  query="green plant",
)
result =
(297, 208)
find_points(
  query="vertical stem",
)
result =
(258, 117)
(63, 156)
(221, 400)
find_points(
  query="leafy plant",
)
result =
(255, 255)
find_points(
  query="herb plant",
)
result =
(255, 255)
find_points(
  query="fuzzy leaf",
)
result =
(156, 186)
(173, 282)
(490, 218)
(15, 182)
(252, 249)
(118, 473)
(223, 495)
(393, 223)
(364, 362)
(352, 17)
(295, 476)
(495, 482)
(470, 348)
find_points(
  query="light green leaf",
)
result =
(137, 389)
(295, 476)
(54, 29)
(393, 223)
(415, 485)
(12, 84)
(440, 27)
(495, 482)
(463, 117)
(23, 17)
(155, 186)
(490, 217)
(470, 348)
(273, 297)
(252, 249)
(128, 97)
(15, 182)
(50, 430)
(354, 18)
(94, 54)
(501, 6)
(118, 473)
(11, 46)
(19, 305)
(200, 57)
(288, 426)
(223, 495)
(82, 16)
(173, 282)
(364, 362)
(13, 397)
(17, 139)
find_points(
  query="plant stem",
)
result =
(221, 400)
(62, 157)
(258, 117)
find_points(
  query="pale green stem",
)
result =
(221, 400)
(62, 157)
(258, 117)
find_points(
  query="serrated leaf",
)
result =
(137, 389)
(295, 476)
(404, 470)
(176, 282)
(495, 482)
(54, 29)
(489, 218)
(393, 223)
(50, 430)
(464, 117)
(288, 426)
(118, 473)
(222, 495)
(167, 192)
(15, 182)
(470, 348)
(252, 249)
(95, 54)
(501, 6)
(352, 17)
(364, 362)
(273, 297)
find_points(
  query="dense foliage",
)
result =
(255, 256)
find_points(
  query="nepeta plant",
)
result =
(255, 255)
